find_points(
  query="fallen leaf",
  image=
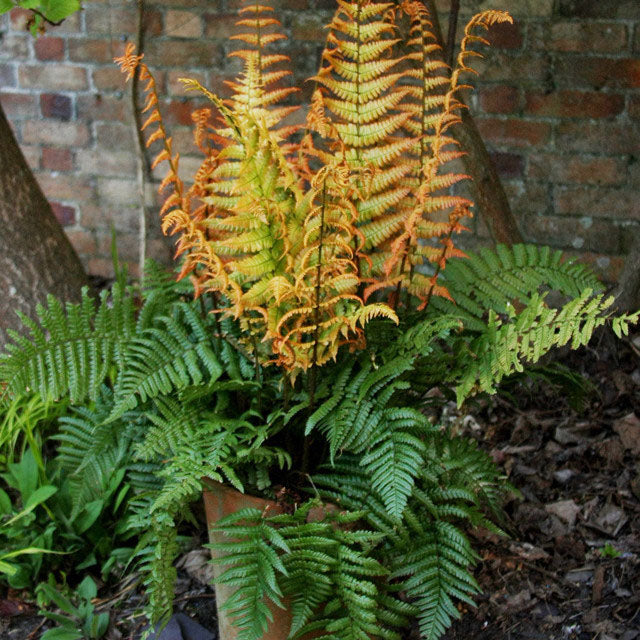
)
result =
(628, 428)
(197, 565)
(527, 551)
(566, 510)
(612, 451)
(611, 519)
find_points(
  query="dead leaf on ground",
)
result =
(611, 519)
(612, 451)
(197, 565)
(527, 551)
(566, 510)
(628, 428)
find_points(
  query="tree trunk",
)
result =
(489, 194)
(36, 257)
(628, 293)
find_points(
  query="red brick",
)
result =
(179, 111)
(181, 3)
(574, 169)
(526, 68)
(176, 88)
(580, 36)
(608, 9)
(218, 84)
(598, 202)
(100, 267)
(83, 241)
(66, 187)
(108, 79)
(14, 46)
(219, 27)
(56, 159)
(574, 104)
(104, 217)
(634, 107)
(514, 132)
(94, 50)
(598, 73)
(182, 138)
(20, 19)
(118, 191)
(19, 106)
(55, 105)
(112, 21)
(70, 24)
(128, 245)
(31, 154)
(584, 234)
(48, 48)
(101, 162)
(114, 135)
(65, 214)
(182, 24)
(505, 36)
(508, 165)
(102, 107)
(153, 21)
(56, 134)
(499, 99)
(7, 76)
(183, 53)
(54, 77)
(527, 197)
(598, 137)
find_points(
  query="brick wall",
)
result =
(558, 103)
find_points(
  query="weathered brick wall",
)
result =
(558, 103)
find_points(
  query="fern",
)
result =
(71, 350)
(326, 570)
(252, 563)
(498, 278)
(428, 553)
(525, 337)
(170, 355)
(362, 417)
(91, 450)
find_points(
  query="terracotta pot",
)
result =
(219, 501)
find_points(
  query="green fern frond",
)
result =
(525, 337)
(251, 563)
(434, 572)
(496, 278)
(71, 349)
(173, 354)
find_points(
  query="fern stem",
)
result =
(214, 310)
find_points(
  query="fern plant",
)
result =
(321, 296)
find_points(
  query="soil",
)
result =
(571, 567)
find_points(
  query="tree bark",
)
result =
(628, 292)
(489, 194)
(36, 257)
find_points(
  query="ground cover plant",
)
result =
(330, 300)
